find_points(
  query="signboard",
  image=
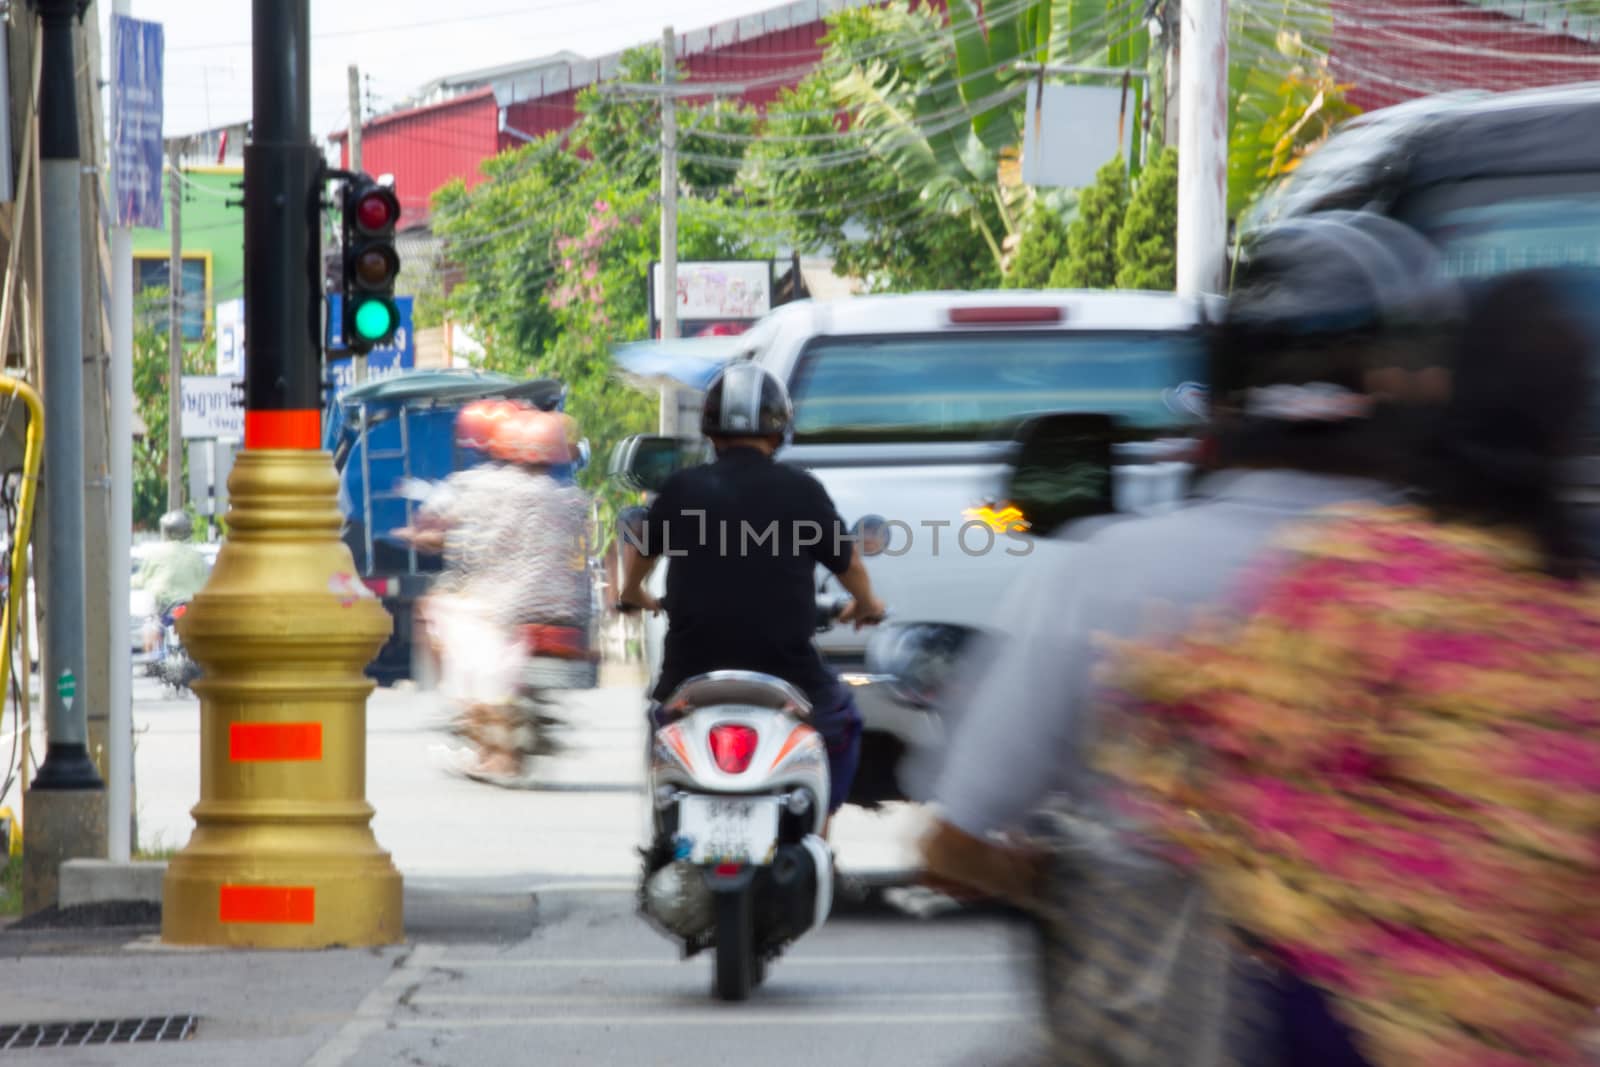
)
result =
(386, 362)
(727, 291)
(212, 408)
(136, 108)
(1073, 131)
(230, 339)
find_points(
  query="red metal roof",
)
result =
(1396, 50)
(427, 147)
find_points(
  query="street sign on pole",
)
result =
(211, 408)
(1071, 131)
(136, 146)
(230, 338)
(396, 357)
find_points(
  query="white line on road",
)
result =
(788, 961)
(372, 1015)
(560, 1000)
(705, 1019)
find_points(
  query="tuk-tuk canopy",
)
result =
(455, 387)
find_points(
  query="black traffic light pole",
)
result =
(282, 257)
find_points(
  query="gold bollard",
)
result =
(283, 854)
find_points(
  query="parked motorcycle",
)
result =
(737, 863)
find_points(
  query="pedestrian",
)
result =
(1302, 419)
(1386, 767)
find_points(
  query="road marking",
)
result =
(558, 1000)
(705, 1019)
(373, 1013)
(788, 962)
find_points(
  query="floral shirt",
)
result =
(1388, 768)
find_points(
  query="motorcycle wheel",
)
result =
(736, 964)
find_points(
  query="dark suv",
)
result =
(1498, 181)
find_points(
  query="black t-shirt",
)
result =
(742, 537)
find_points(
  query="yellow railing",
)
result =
(17, 587)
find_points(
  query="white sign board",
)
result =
(737, 289)
(1073, 131)
(230, 339)
(211, 408)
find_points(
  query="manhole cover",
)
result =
(96, 1032)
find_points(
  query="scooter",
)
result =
(739, 781)
(172, 665)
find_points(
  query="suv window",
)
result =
(962, 387)
(1489, 227)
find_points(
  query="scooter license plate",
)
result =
(729, 829)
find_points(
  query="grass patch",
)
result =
(11, 886)
(157, 849)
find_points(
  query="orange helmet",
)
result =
(533, 438)
(476, 423)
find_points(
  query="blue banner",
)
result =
(136, 120)
(394, 358)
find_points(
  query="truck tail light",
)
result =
(732, 746)
(1006, 316)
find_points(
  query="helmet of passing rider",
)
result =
(533, 439)
(476, 422)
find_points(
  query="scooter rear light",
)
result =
(733, 746)
(562, 642)
(180, 611)
(728, 870)
(382, 587)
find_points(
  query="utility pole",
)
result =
(283, 854)
(175, 336)
(1202, 146)
(359, 362)
(66, 804)
(119, 816)
(669, 217)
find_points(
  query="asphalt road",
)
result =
(522, 941)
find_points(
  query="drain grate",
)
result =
(96, 1032)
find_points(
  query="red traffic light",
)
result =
(376, 210)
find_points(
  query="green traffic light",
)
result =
(374, 320)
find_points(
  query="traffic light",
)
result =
(370, 265)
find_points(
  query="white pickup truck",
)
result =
(903, 409)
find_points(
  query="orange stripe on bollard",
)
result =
(283, 429)
(267, 904)
(259, 742)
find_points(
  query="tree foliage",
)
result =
(1043, 245)
(152, 362)
(1147, 242)
(1091, 261)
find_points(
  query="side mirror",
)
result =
(1062, 470)
(871, 533)
(583, 455)
(919, 659)
(644, 462)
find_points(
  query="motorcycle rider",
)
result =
(745, 535)
(173, 572)
(515, 539)
(1316, 374)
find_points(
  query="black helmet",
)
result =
(176, 526)
(745, 401)
(1312, 293)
